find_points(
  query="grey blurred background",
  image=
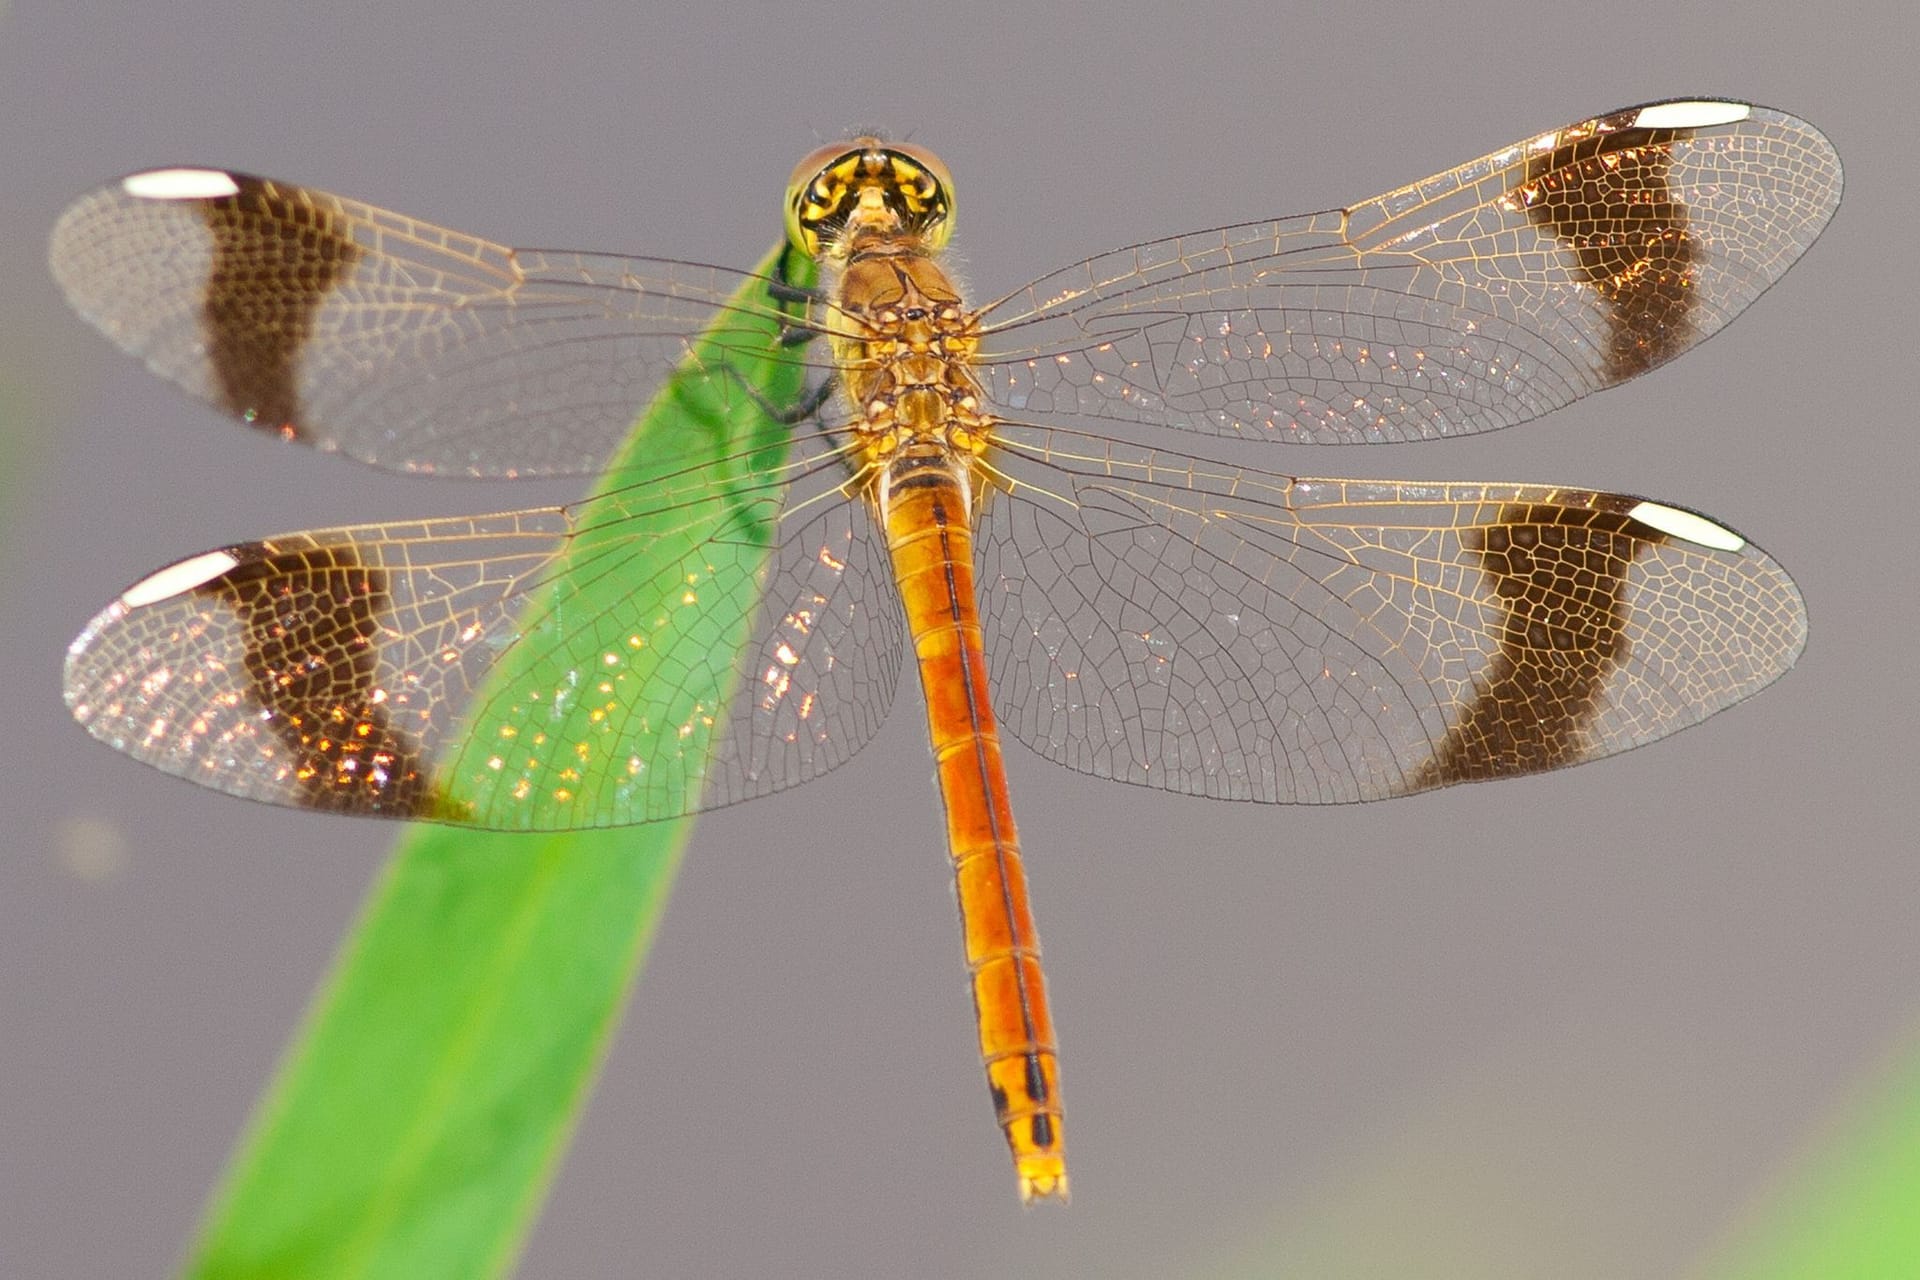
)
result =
(1580, 1025)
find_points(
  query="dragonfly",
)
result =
(1039, 498)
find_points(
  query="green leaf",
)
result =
(1851, 1207)
(425, 1105)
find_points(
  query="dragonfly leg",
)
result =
(807, 405)
(782, 289)
(800, 410)
(795, 331)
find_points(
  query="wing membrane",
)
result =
(1474, 299)
(1477, 298)
(449, 669)
(1225, 632)
(1151, 617)
(394, 341)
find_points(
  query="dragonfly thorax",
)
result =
(904, 346)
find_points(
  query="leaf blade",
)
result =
(415, 1125)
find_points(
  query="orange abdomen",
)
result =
(926, 516)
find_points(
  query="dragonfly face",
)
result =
(869, 182)
(1009, 487)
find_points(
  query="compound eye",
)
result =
(935, 181)
(926, 190)
(817, 161)
(820, 188)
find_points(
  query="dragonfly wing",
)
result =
(1243, 635)
(399, 343)
(1474, 299)
(821, 670)
(556, 668)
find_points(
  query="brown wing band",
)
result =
(275, 260)
(1560, 574)
(1608, 198)
(310, 619)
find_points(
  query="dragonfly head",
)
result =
(888, 188)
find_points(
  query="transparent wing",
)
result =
(554, 668)
(394, 341)
(1212, 630)
(1475, 299)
